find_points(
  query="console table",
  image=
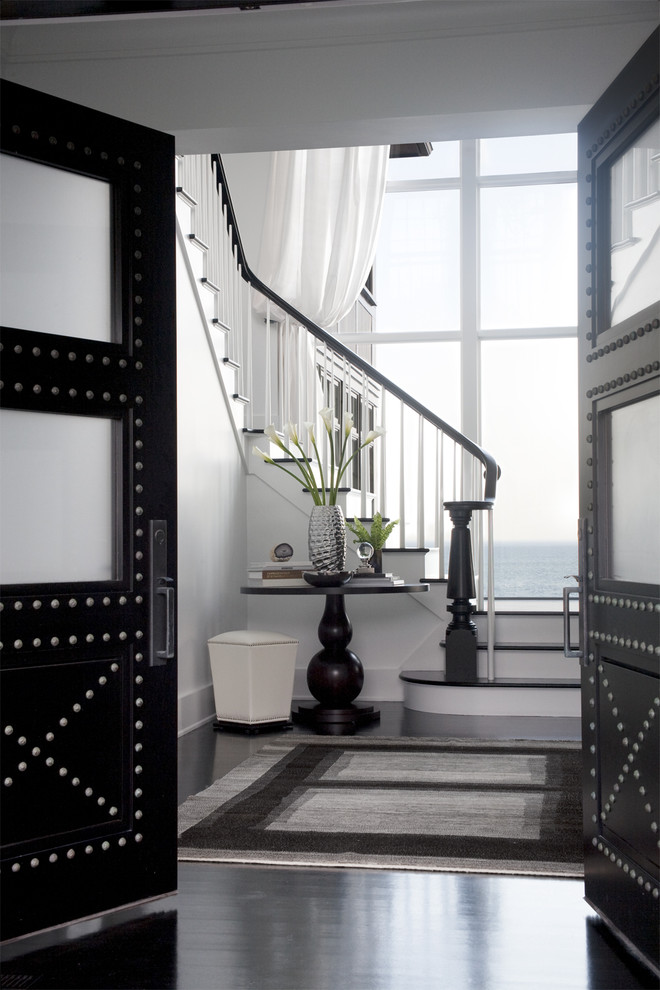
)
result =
(335, 674)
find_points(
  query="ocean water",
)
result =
(534, 570)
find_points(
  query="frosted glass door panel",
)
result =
(634, 487)
(57, 498)
(635, 227)
(56, 251)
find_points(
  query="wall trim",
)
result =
(195, 708)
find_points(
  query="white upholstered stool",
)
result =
(252, 678)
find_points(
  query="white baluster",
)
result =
(268, 371)
(385, 446)
(402, 476)
(225, 269)
(365, 453)
(491, 598)
(438, 509)
(245, 340)
(301, 333)
(421, 541)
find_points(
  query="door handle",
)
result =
(569, 652)
(162, 598)
(166, 590)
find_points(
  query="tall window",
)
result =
(475, 284)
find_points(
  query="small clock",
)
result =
(282, 552)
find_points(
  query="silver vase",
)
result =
(327, 538)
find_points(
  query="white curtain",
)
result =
(320, 228)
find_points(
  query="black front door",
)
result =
(87, 512)
(619, 381)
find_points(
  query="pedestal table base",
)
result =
(335, 721)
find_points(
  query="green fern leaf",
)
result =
(378, 534)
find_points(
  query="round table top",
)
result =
(357, 587)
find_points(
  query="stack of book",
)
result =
(289, 575)
(377, 578)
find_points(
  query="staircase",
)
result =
(274, 366)
(532, 675)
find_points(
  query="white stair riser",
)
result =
(444, 700)
(184, 215)
(349, 501)
(280, 482)
(408, 565)
(527, 627)
(538, 664)
(275, 475)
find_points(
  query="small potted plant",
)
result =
(376, 536)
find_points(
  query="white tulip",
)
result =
(271, 433)
(373, 435)
(328, 419)
(291, 431)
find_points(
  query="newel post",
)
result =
(461, 635)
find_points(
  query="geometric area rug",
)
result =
(451, 805)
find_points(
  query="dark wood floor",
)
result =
(234, 927)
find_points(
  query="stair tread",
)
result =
(529, 606)
(520, 647)
(527, 612)
(190, 200)
(405, 549)
(340, 491)
(194, 239)
(435, 677)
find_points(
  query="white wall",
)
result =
(212, 500)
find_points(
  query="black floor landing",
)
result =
(257, 928)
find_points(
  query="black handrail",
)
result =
(492, 471)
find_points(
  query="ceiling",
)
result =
(49, 9)
(330, 72)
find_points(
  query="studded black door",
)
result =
(619, 381)
(87, 512)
